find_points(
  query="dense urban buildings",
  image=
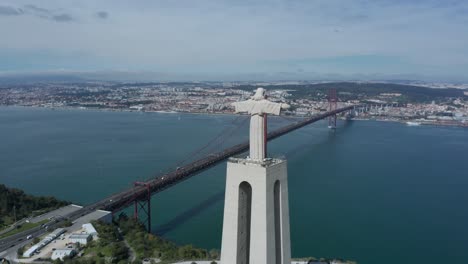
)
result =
(395, 102)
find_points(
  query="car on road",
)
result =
(29, 237)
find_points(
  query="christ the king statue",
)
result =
(258, 107)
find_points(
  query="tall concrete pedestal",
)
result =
(256, 213)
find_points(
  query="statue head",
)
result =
(259, 94)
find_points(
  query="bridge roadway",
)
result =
(121, 200)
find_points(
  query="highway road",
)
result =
(56, 217)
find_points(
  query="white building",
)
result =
(49, 238)
(63, 252)
(28, 253)
(57, 232)
(89, 229)
(98, 215)
(83, 239)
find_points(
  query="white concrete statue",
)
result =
(258, 107)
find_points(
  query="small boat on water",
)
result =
(410, 123)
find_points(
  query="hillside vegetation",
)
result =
(16, 202)
(126, 241)
(362, 90)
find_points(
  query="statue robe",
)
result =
(257, 109)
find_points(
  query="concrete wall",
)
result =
(263, 246)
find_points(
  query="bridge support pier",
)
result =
(332, 106)
(143, 206)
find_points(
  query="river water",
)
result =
(373, 192)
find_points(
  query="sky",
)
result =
(296, 38)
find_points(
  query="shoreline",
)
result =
(421, 122)
(117, 110)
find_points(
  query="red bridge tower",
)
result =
(332, 106)
(143, 205)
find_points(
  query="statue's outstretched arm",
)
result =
(244, 106)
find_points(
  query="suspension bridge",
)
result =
(139, 195)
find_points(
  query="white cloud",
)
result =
(244, 36)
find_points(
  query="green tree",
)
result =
(58, 261)
(214, 254)
(14, 203)
(119, 252)
(20, 251)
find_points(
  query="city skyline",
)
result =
(239, 39)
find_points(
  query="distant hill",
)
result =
(15, 201)
(358, 90)
(30, 79)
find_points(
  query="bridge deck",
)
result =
(125, 198)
